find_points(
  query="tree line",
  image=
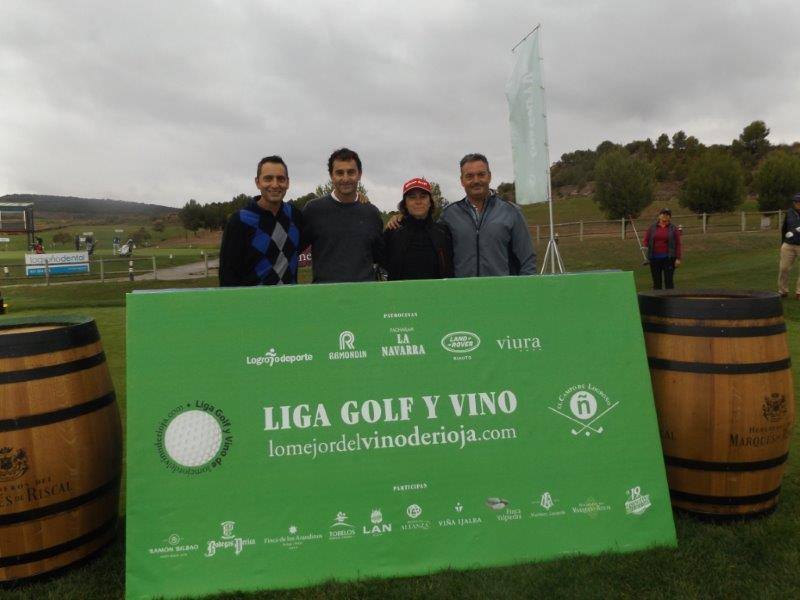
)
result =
(214, 215)
(713, 178)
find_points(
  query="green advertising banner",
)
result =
(280, 437)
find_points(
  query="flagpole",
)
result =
(551, 252)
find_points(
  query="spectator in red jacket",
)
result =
(663, 243)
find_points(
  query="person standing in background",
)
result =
(790, 248)
(663, 243)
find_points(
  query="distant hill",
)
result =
(95, 208)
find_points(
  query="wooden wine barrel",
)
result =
(722, 383)
(60, 445)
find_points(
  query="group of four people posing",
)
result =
(480, 235)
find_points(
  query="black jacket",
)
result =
(397, 241)
(791, 224)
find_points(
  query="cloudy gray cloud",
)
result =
(166, 101)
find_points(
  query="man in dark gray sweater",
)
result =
(345, 235)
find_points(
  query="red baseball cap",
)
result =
(416, 184)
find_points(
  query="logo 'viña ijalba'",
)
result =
(347, 348)
(580, 405)
(271, 357)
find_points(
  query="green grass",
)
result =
(757, 559)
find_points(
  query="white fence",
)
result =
(690, 224)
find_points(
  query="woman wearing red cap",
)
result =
(419, 248)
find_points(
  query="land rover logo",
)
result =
(460, 342)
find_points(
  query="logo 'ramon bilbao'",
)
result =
(13, 463)
(347, 348)
(461, 342)
(584, 406)
(194, 438)
(173, 548)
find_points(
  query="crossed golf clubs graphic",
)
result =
(585, 426)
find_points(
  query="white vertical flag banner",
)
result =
(526, 115)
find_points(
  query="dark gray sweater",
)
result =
(346, 239)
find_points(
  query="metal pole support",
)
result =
(205, 262)
(744, 221)
(155, 271)
(102, 271)
(130, 270)
(705, 222)
(622, 230)
(46, 272)
(580, 232)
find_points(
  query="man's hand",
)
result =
(394, 221)
(677, 262)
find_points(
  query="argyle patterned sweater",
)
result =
(259, 248)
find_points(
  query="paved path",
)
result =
(191, 271)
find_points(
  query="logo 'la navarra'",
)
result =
(774, 408)
(13, 463)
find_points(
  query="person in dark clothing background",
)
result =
(663, 243)
(790, 248)
(262, 242)
(419, 248)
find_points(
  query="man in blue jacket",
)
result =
(490, 235)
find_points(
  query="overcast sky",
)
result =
(165, 101)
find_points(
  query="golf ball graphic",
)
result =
(193, 438)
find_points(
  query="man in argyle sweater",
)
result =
(261, 242)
